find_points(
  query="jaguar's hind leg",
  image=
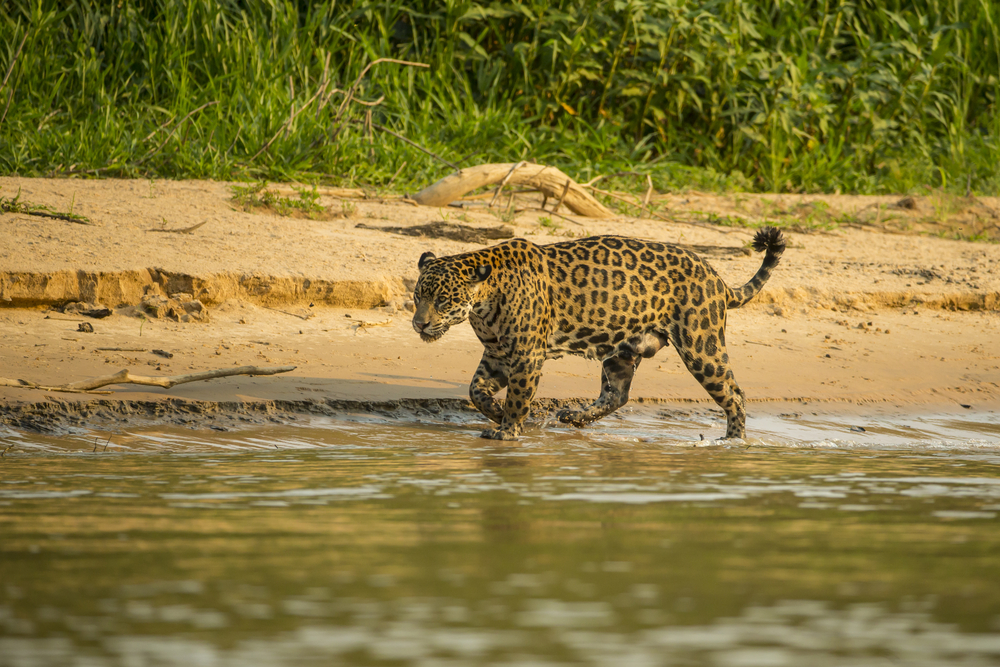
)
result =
(704, 353)
(616, 378)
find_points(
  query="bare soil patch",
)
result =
(855, 313)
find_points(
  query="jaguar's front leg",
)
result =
(524, 375)
(490, 378)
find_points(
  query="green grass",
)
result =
(757, 95)
(256, 196)
(17, 205)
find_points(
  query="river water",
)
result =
(366, 540)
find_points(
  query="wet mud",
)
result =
(55, 416)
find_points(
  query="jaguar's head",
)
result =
(445, 293)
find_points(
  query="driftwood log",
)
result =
(552, 182)
(166, 381)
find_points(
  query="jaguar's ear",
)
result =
(426, 257)
(481, 273)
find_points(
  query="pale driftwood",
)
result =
(166, 381)
(24, 384)
(549, 180)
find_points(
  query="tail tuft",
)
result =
(769, 239)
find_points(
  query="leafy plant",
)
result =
(839, 95)
(16, 205)
(257, 196)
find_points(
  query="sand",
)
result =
(863, 315)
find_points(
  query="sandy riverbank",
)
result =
(851, 316)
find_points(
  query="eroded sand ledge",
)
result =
(850, 316)
(25, 289)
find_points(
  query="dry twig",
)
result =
(25, 384)
(10, 69)
(285, 312)
(167, 381)
(382, 128)
(184, 230)
(172, 132)
(649, 193)
(496, 193)
(555, 210)
(367, 325)
(357, 82)
(693, 224)
(558, 215)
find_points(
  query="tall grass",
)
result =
(770, 95)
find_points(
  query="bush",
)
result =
(775, 96)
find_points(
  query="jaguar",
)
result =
(609, 298)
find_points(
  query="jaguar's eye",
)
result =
(440, 303)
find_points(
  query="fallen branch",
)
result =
(549, 180)
(382, 128)
(167, 381)
(285, 312)
(558, 215)
(10, 69)
(398, 172)
(15, 205)
(649, 193)
(156, 150)
(13, 61)
(612, 195)
(339, 193)
(703, 225)
(555, 209)
(357, 82)
(25, 384)
(597, 179)
(288, 122)
(172, 132)
(364, 326)
(503, 183)
(184, 230)
(65, 217)
(474, 200)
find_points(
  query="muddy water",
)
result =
(359, 541)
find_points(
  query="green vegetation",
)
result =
(257, 196)
(763, 95)
(16, 205)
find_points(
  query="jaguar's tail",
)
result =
(767, 239)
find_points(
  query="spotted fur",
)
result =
(610, 298)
